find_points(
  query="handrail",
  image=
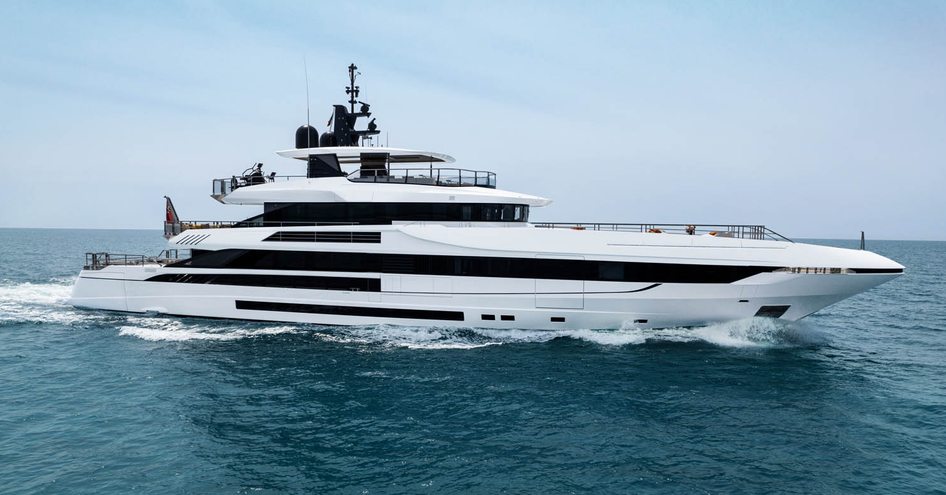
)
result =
(97, 261)
(226, 185)
(431, 176)
(172, 229)
(759, 232)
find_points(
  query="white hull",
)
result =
(431, 300)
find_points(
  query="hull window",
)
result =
(413, 314)
(282, 281)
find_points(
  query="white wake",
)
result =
(170, 329)
(748, 333)
(40, 303)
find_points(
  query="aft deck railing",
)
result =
(97, 261)
(760, 232)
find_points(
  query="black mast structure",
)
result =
(342, 131)
(351, 90)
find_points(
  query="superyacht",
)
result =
(379, 235)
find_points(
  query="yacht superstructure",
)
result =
(374, 234)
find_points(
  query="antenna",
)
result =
(308, 133)
(352, 90)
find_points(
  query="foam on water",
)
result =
(405, 337)
(759, 332)
(169, 329)
(41, 303)
(55, 292)
(749, 333)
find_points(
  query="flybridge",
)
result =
(372, 164)
(381, 164)
(345, 145)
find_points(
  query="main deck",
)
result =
(737, 231)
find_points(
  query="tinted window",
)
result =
(385, 213)
(473, 266)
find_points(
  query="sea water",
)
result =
(851, 399)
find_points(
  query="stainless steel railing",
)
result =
(97, 261)
(736, 231)
(431, 176)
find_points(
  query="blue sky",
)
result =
(818, 119)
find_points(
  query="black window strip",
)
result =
(472, 266)
(282, 281)
(414, 314)
(356, 237)
(877, 270)
(368, 237)
(386, 213)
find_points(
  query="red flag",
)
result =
(170, 215)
